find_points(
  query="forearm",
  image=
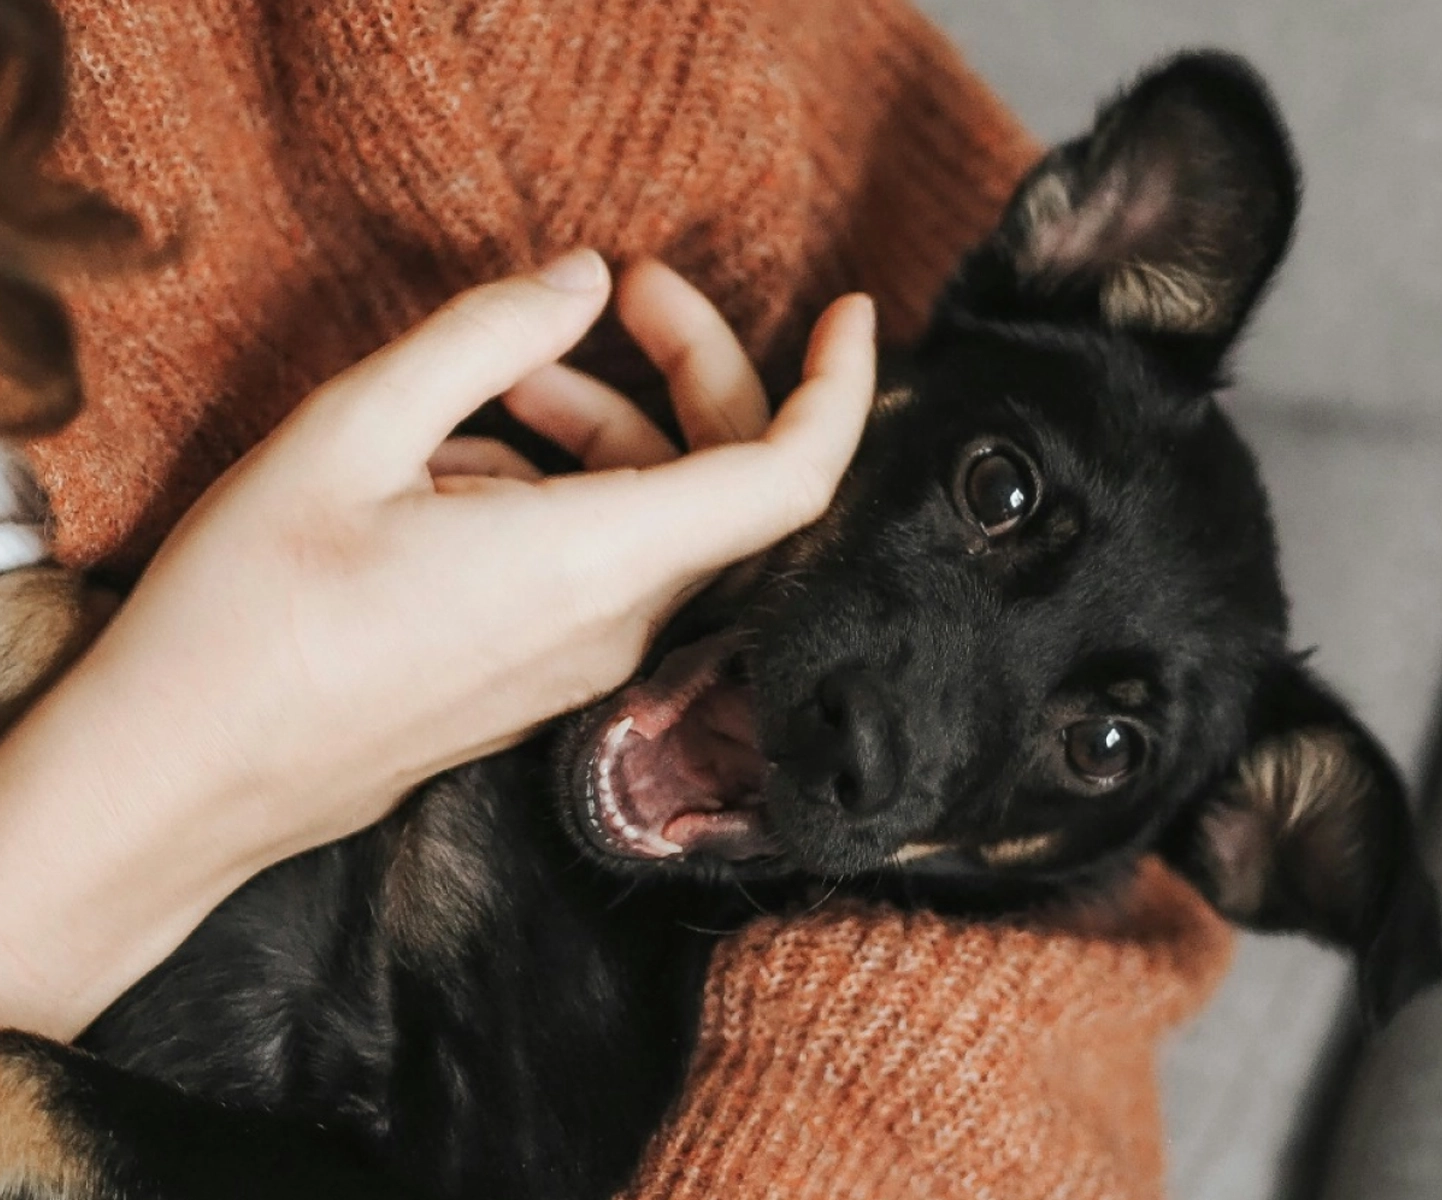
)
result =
(113, 847)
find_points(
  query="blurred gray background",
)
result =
(1340, 390)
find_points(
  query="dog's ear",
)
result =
(1312, 833)
(1166, 221)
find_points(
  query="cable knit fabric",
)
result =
(335, 169)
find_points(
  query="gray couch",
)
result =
(1269, 1095)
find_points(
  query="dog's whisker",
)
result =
(708, 932)
(750, 899)
(623, 895)
(579, 860)
(831, 891)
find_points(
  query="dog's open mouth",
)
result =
(674, 768)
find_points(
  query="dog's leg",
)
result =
(75, 1128)
(47, 614)
(47, 617)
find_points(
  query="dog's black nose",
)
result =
(846, 754)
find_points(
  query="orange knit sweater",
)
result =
(338, 168)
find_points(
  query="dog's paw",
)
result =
(48, 615)
(42, 607)
(44, 1150)
(22, 515)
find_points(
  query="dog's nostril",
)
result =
(845, 792)
(854, 755)
(831, 705)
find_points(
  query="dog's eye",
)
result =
(997, 488)
(999, 492)
(1103, 751)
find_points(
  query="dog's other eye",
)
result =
(1103, 751)
(997, 488)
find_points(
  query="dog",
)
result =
(1039, 634)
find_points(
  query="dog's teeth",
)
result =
(602, 808)
(663, 846)
(606, 792)
(614, 739)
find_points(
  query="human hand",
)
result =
(351, 610)
(356, 606)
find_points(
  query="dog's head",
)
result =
(1041, 629)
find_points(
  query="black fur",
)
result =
(478, 998)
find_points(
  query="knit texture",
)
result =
(339, 168)
(336, 169)
(879, 1055)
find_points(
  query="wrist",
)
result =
(113, 847)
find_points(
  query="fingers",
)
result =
(817, 429)
(393, 409)
(473, 457)
(589, 420)
(715, 507)
(716, 392)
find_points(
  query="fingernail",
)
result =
(575, 271)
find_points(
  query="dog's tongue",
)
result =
(680, 767)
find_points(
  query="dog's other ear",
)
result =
(38, 387)
(46, 226)
(1166, 221)
(39, 377)
(1312, 833)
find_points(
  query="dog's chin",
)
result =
(670, 769)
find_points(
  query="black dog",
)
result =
(1039, 634)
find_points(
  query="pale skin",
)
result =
(361, 603)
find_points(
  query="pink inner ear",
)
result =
(1152, 195)
(1114, 222)
(1238, 850)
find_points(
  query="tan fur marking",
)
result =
(1129, 692)
(38, 1149)
(892, 400)
(917, 850)
(1305, 788)
(434, 894)
(1020, 850)
(1171, 298)
(1063, 528)
(1292, 775)
(46, 618)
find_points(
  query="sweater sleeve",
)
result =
(878, 1055)
(333, 172)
